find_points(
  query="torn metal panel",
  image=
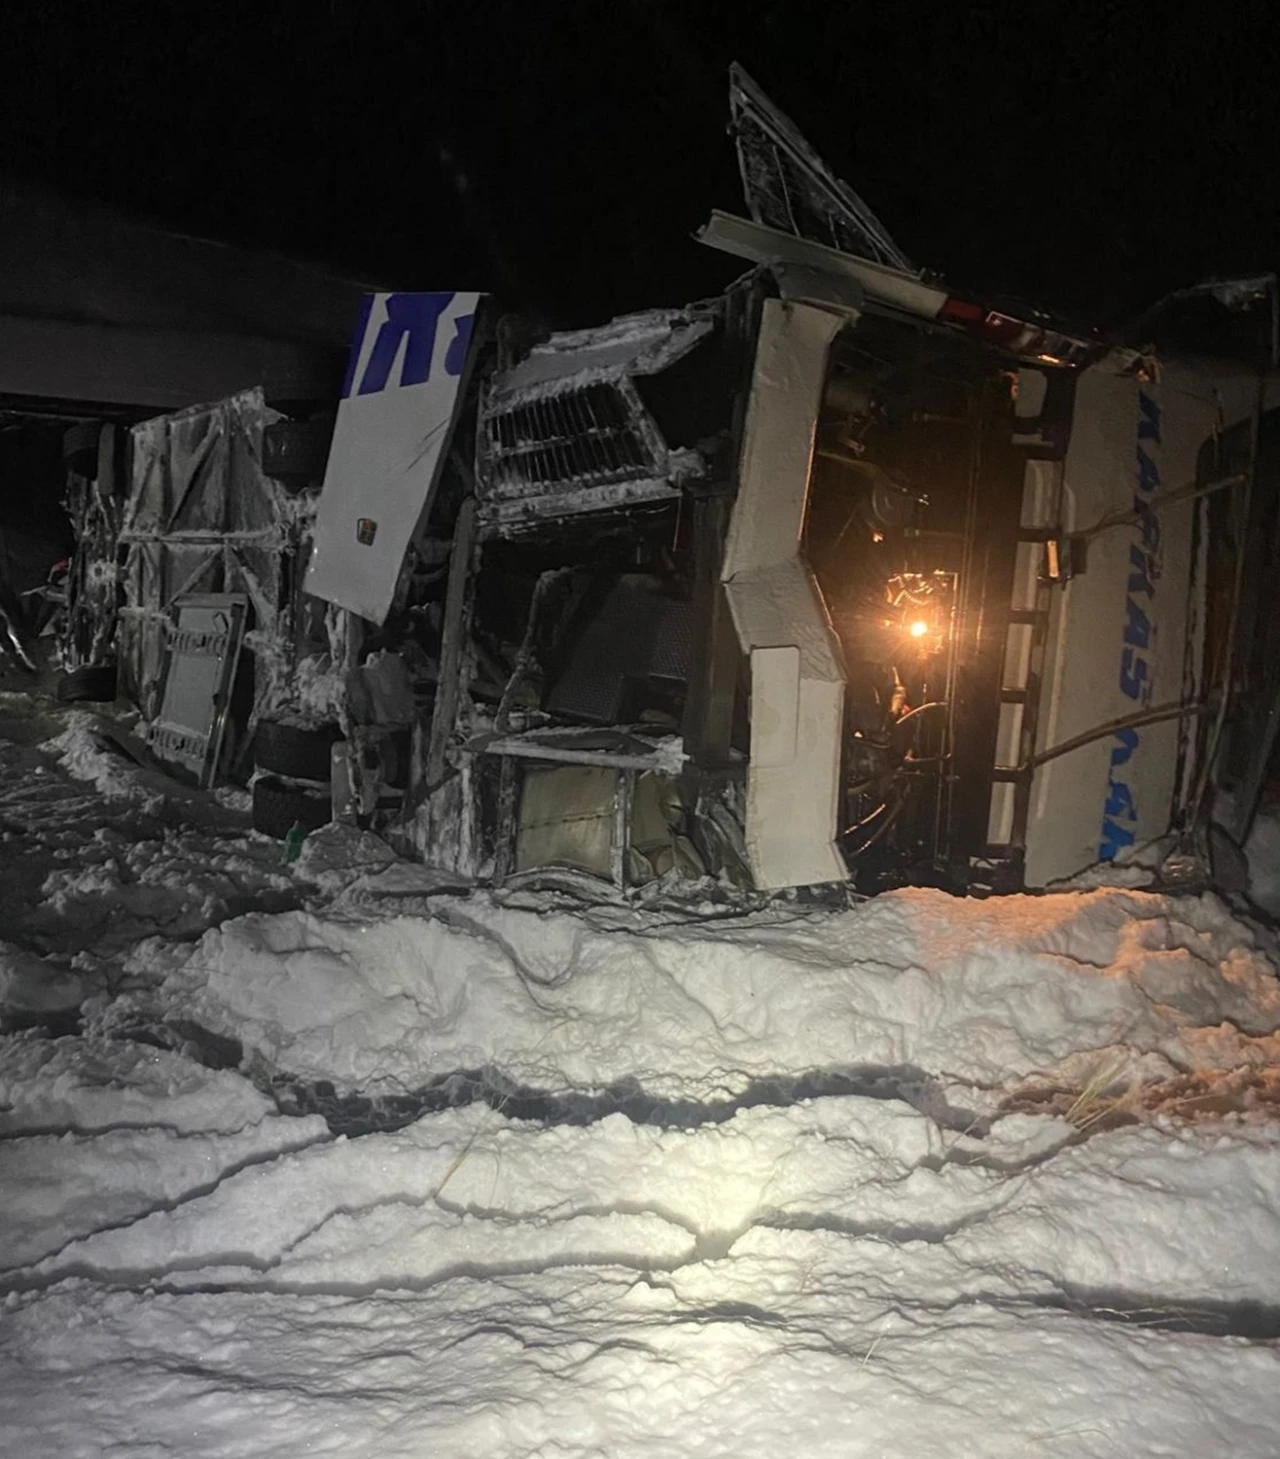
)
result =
(93, 582)
(803, 213)
(615, 748)
(801, 284)
(634, 344)
(1029, 336)
(788, 185)
(759, 243)
(408, 362)
(453, 656)
(566, 432)
(202, 517)
(797, 679)
(509, 518)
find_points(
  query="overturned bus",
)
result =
(837, 576)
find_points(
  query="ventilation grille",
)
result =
(589, 436)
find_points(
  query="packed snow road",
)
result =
(335, 1159)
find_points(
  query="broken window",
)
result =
(789, 187)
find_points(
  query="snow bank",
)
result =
(88, 869)
(86, 751)
(187, 1272)
(30, 985)
(582, 1363)
(982, 992)
(94, 1135)
(82, 1085)
(833, 1278)
(468, 1189)
(177, 883)
(844, 1275)
(59, 1187)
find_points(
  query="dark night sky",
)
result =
(563, 152)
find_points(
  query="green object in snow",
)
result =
(294, 837)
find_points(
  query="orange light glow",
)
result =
(918, 629)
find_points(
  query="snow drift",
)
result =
(800, 1182)
(979, 992)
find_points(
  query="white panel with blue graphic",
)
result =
(407, 360)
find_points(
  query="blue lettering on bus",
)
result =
(1148, 472)
(1137, 626)
(357, 343)
(1144, 564)
(1149, 522)
(412, 318)
(1133, 674)
(1115, 837)
(412, 321)
(1143, 577)
(456, 355)
(1126, 742)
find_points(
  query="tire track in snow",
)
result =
(356, 1114)
(464, 1193)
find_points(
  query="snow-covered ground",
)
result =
(334, 1158)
